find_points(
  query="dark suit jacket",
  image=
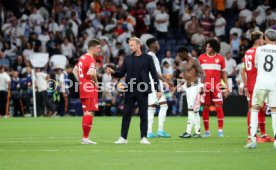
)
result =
(145, 67)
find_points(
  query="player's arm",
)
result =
(118, 74)
(75, 72)
(200, 74)
(200, 71)
(243, 75)
(93, 74)
(225, 80)
(154, 74)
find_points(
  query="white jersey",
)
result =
(158, 70)
(4, 81)
(265, 61)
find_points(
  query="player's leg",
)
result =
(191, 93)
(218, 101)
(162, 117)
(152, 100)
(248, 114)
(261, 122)
(258, 99)
(197, 105)
(89, 106)
(272, 105)
(205, 113)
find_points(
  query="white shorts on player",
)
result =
(194, 100)
(260, 96)
(153, 102)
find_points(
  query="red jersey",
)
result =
(212, 67)
(87, 87)
(250, 69)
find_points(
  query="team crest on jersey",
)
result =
(217, 60)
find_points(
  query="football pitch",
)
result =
(54, 143)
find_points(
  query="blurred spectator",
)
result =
(192, 26)
(207, 23)
(42, 99)
(168, 58)
(220, 24)
(198, 39)
(224, 46)
(68, 49)
(235, 45)
(5, 86)
(28, 51)
(5, 62)
(236, 29)
(231, 65)
(43, 38)
(162, 23)
(19, 65)
(16, 95)
(60, 94)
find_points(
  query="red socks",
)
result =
(205, 116)
(86, 125)
(248, 123)
(261, 118)
(261, 122)
(220, 116)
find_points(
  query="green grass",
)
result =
(54, 143)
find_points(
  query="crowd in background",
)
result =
(65, 27)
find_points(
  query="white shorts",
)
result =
(260, 96)
(152, 99)
(192, 94)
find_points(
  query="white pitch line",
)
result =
(118, 151)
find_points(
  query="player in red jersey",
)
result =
(85, 73)
(213, 65)
(249, 75)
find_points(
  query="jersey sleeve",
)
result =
(157, 65)
(200, 59)
(256, 57)
(92, 68)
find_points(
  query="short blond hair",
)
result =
(136, 39)
(255, 35)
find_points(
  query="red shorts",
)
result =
(214, 97)
(89, 104)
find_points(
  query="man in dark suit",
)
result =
(137, 66)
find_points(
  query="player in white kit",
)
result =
(193, 79)
(265, 87)
(153, 102)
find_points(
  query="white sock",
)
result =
(197, 123)
(151, 112)
(162, 117)
(254, 124)
(273, 116)
(190, 123)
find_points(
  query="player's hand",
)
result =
(167, 86)
(225, 93)
(246, 93)
(109, 70)
(159, 95)
(240, 91)
(201, 90)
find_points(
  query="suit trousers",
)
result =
(130, 99)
